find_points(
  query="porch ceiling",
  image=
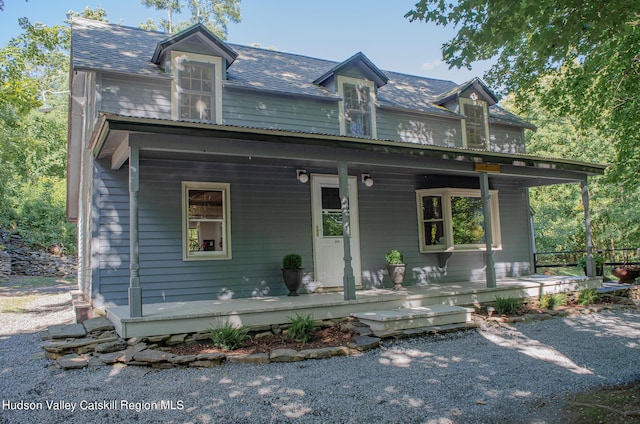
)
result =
(207, 142)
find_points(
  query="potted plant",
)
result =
(396, 268)
(292, 272)
(599, 260)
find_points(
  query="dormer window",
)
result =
(357, 108)
(196, 88)
(476, 122)
(196, 91)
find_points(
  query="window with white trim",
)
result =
(453, 219)
(357, 108)
(476, 123)
(206, 221)
(196, 87)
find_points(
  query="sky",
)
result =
(327, 29)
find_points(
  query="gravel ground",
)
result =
(505, 374)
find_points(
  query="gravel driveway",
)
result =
(505, 374)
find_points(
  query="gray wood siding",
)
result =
(270, 217)
(388, 220)
(420, 129)
(506, 139)
(136, 97)
(279, 112)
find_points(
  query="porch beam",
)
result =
(121, 154)
(409, 159)
(587, 231)
(348, 279)
(135, 291)
(490, 269)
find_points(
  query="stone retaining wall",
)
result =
(23, 260)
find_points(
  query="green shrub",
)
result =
(228, 337)
(588, 296)
(507, 305)
(394, 257)
(302, 328)
(552, 301)
(292, 261)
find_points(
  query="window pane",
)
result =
(205, 236)
(467, 220)
(432, 207)
(196, 107)
(332, 224)
(475, 125)
(205, 204)
(331, 198)
(357, 109)
(433, 233)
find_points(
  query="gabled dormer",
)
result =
(356, 80)
(472, 100)
(198, 61)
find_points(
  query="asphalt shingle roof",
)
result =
(101, 46)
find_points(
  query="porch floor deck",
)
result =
(193, 316)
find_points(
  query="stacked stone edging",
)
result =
(95, 343)
(27, 261)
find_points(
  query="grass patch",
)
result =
(553, 301)
(611, 405)
(228, 337)
(16, 305)
(23, 282)
(302, 328)
(507, 305)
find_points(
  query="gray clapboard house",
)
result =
(195, 165)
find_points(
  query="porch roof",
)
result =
(113, 132)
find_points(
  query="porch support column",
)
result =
(488, 230)
(135, 292)
(587, 231)
(348, 279)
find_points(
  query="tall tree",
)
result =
(592, 46)
(214, 14)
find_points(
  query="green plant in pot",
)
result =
(598, 259)
(396, 268)
(292, 272)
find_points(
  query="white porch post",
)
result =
(587, 222)
(135, 292)
(488, 230)
(348, 279)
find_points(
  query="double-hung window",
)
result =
(196, 87)
(196, 91)
(206, 221)
(453, 219)
(357, 108)
(476, 125)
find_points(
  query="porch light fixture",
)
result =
(367, 180)
(46, 108)
(302, 176)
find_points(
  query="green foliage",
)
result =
(302, 328)
(394, 257)
(588, 296)
(507, 305)
(552, 301)
(599, 260)
(589, 50)
(228, 337)
(214, 14)
(292, 261)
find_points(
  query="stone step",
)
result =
(418, 317)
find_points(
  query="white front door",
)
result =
(328, 242)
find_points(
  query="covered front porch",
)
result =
(196, 316)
